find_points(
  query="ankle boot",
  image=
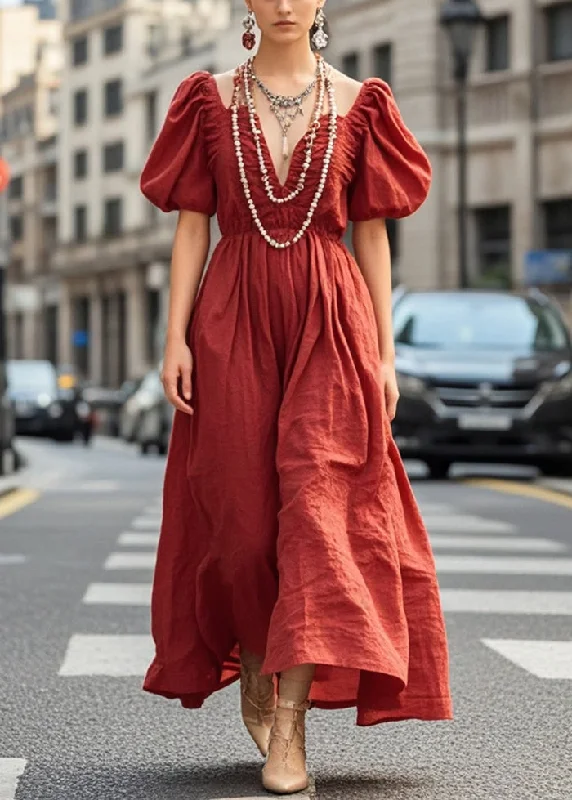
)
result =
(258, 704)
(285, 769)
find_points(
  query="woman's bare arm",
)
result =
(371, 247)
(189, 255)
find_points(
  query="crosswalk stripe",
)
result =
(115, 656)
(131, 538)
(309, 792)
(464, 523)
(544, 659)
(146, 523)
(503, 565)
(120, 594)
(435, 508)
(130, 561)
(8, 560)
(516, 544)
(11, 770)
(491, 601)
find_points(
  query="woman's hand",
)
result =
(389, 384)
(177, 371)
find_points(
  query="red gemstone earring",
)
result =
(248, 38)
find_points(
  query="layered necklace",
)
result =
(292, 106)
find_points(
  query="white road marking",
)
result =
(115, 656)
(517, 544)
(131, 539)
(11, 770)
(8, 560)
(118, 594)
(491, 601)
(127, 560)
(435, 508)
(503, 565)
(544, 659)
(465, 523)
(146, 523)
(309, 792)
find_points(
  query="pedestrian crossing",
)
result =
(465, 544)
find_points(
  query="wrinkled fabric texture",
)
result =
(289, 524)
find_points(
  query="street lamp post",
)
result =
(461, 18)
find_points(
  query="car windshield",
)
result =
(477, 321)
(31, 376)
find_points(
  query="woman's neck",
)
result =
(297, 59)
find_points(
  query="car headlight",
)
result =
(55, 410)
(410, 384)
(44, 400)
(560, 388)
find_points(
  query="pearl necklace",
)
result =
(310, 135)
(332, 135)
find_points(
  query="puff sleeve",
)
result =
(393, 174)
(176, 175)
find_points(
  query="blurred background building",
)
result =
(84, 94)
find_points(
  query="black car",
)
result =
(483, 377)
(41, 407)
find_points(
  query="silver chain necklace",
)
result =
(285, 107)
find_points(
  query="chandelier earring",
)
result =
(320, 37)
(248, 37)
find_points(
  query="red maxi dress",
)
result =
(289, 524)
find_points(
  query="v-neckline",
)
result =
(268, 154)
(271, 166)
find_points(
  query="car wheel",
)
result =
(556, 468)
(438, 469)
(144, 448)
(162, 449)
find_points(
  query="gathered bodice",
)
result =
(377, 170)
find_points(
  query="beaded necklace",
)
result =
(243, 79)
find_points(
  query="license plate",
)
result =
(485, 422)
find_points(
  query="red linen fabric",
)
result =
(289, 524)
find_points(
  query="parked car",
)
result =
(6, 417)
(149, 391)
(40, 407)
(483, 377)
(155, 424)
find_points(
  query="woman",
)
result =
(292, 553)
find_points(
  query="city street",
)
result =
(76, 557)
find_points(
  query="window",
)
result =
(80, 164)
(113, 157)
(16, 228)
(494, 246)
(113, 98)
(80, 107)
(383, 61)
(112, 217)
(16, 188)
(350, 65)
(79, 51)
(53, 101)
(150, 115)
(497, 32)
(80, 223)
(113, 39)
(558, 224)
(559, 31)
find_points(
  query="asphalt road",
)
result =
(71, 729)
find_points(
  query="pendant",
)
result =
(285, 148)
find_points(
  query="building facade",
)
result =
(29, 208)
(123, 60)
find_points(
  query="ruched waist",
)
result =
(283, 233)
